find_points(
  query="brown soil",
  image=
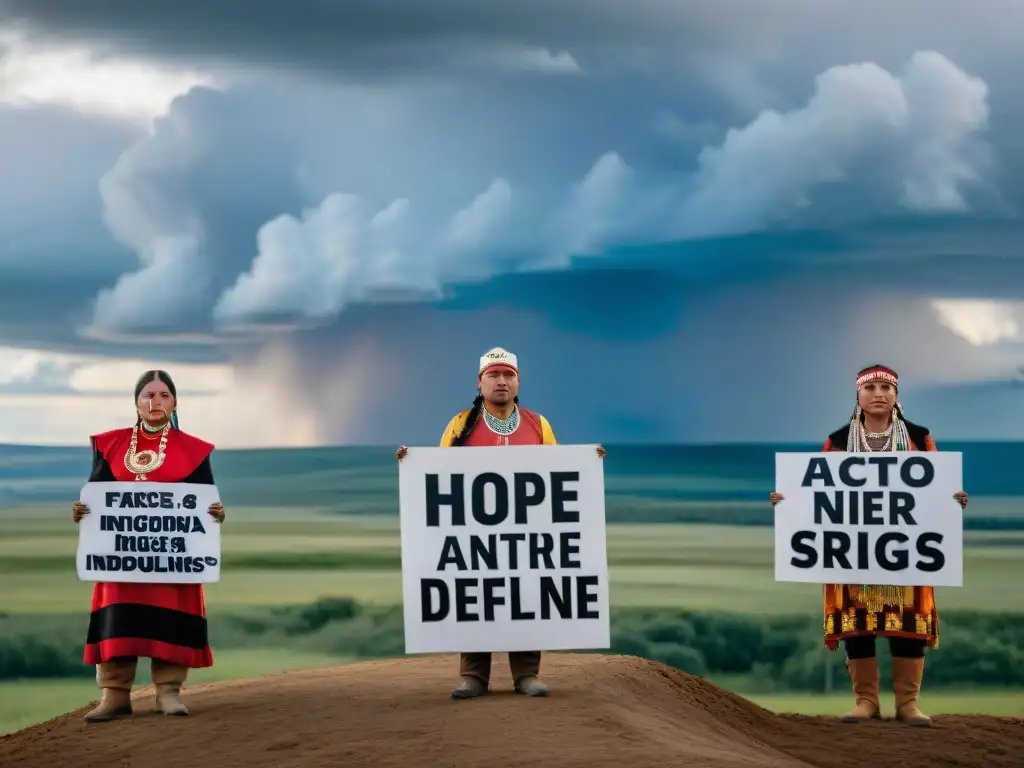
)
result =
(603, 711)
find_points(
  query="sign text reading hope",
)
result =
(886, 518)
(503, 548)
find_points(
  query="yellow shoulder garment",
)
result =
(547, 432)
(454, 427)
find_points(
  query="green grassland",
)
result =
(277, 557)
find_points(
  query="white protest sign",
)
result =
(886, 518)
(157, 533)
(503, 549)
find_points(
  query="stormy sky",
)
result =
(691, 221)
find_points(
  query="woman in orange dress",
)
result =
(858, 613)
(163, 622)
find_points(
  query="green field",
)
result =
(276, 558)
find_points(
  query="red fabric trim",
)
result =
(878, 373)
(97, 653)
(186, 598)
(506, 366)
(184, 454)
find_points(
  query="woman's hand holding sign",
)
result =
(217, 512)
(774, 497)
(78, 511)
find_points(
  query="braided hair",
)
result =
(471, 419)
(856, 440)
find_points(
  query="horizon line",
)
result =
(636, 444)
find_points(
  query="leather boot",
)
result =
(525, 667)
(168, 679)
(475, 670)
(864, 676)
(469, 688)
(906, 684)
(115, 678)
(531, 686)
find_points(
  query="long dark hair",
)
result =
(471, 419)
(157, 375)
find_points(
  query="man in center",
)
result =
(496, 419)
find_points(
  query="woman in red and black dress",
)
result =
(163, 622)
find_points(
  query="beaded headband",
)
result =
(878, 373)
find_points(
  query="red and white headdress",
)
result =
(899, 439)
(878, 373)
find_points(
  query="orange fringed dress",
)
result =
(852, 610)
(156, 621)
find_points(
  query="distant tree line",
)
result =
(767, 653)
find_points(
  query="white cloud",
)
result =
(918, 126)
(592, 218)
(53, 399)
(475, 224)
(17, 365)
(35, 371)
(92, 375)
(33, 74)
(310, 267)
(982, 322)
(921, 121)
(948, 108)
(212, 205)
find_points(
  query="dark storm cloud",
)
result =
(733, 181)
(652, 354)
(366, 35)
(746, 338)
(319, 27)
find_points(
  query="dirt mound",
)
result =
(603, 711)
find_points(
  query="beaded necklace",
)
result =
(504, 427)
